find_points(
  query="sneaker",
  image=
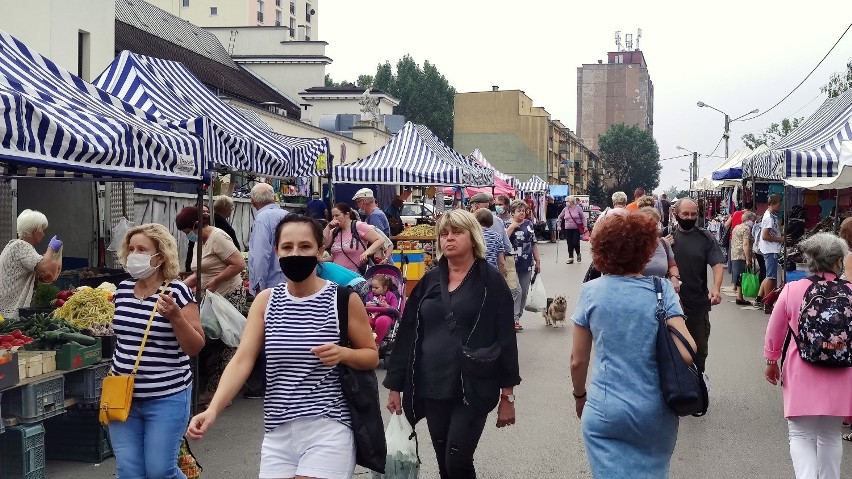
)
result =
(518, 326)
(570, 261)
(579, 258)
(743, 302)
(706, 381)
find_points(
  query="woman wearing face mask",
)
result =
(306, 417)
(147, 444)
(662, 264)
(222, 266)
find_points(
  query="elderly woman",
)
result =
(816, 398)
(147, 444)
(627, 426)
(22, 266)
(351, 242)
(662, 263)
(459, 309)
(742, 256)
(522, 235)
(572, 220)
(221, 270)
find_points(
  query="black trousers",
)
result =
(698, 324)
(455, 430)
(573, 238)
(762, 263)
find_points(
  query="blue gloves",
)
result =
(55, 244)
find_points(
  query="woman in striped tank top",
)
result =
(306, 417)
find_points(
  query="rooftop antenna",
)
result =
(638, 36)
(618, 41)
(628, 41)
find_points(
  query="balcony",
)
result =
(260, 17)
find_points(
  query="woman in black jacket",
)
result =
(454, 365)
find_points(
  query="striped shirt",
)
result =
(164, 367)
(493, 245)
(298, 385)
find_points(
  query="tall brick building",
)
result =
(619, 91)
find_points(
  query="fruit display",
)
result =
(419, 231)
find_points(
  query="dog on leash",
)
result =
(554, 315)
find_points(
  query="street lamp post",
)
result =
(728, 121)
(694, 166)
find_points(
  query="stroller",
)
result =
(398, 280)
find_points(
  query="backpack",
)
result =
(825, 324)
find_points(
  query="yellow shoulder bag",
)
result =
(117, 391)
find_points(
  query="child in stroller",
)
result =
(382, 305)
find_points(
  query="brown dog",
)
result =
(554, 315)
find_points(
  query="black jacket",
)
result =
(496, 325)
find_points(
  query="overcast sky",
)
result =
(733, 55)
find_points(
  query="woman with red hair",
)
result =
(627, 426)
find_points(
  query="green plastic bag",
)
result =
(750, 284)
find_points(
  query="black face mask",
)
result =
(686, 224)
(298, 268)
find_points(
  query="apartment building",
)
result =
(299, 17)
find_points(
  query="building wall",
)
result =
(511, 132)
(243, 13)
(54, 28)
(342, 106)
(614, 92)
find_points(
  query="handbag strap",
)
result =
(147, 330)
(661, 317)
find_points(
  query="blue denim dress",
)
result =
(628, 429)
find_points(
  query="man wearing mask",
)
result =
(502, 208)
(694, 249)
(551, 214)
(373, 215)
(769, 242)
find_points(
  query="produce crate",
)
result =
(23, 451)
(74, 356)
(77, 435)
(9, 372)
(27, 312)
(86, 385)
(30, 364)
(36, 401)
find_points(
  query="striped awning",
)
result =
(168, 90)
(415, 156)
(53, 124)
(534, 185)
(732, 168)
(480, 158)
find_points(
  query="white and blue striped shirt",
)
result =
(298, 385)
(164, 367)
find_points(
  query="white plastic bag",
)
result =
(209, 323)
(231, 320)
(401, 462)
(118, 234)
(537, 298)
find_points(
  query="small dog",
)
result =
(554, 315)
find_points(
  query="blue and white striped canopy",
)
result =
(534, 185)
(168, 90)
(51, 120)
(415, 156)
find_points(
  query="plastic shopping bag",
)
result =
(118, 234)
(209, 323)
(750, 284)
(231, 320)
(537, 298)
(402, 461)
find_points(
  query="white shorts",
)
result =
(314, 447)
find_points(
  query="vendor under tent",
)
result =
(537, 188)
(168, 90)
(414, 157)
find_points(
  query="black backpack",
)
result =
(361, 389)
(825, 324)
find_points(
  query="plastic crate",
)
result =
(37, 401)
(86, 385)
(23, 451)
(77, 436)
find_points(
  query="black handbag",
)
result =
(361, 390)
(682, 385)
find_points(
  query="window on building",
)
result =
(214, 11)
(293, 7)
(307, 33)
(292, 27)
(277, 3)
(277, 18)
(185, 4)
(307, 12)
(84, 50)
(259, 11)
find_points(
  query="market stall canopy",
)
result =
(415, 156)
(480, 158)
(53, 124)
(812, 149)
(732, 168)
(500, 188)
(534, 185)
(557, 191)
(705, 184)
(839, 182)
(168, 90)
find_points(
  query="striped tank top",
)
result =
(298, 385)
(164, 367)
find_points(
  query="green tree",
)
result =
(365, 81)
(671, 193)
(597, 193)
(775, 132)
(329, 82)
(631, 157)
(839, 82)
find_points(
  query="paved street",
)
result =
(744, 434)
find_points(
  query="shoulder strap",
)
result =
(658, 289)
(147, 330)
(343, 294)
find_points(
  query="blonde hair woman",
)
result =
(147, 444)
(462, 298)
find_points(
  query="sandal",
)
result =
(847, 436)
(518, 326)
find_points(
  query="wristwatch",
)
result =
(508, 397)
(771, 361)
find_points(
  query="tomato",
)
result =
(17, 342)
(17, 333)
(59, 303)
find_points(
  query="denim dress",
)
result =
(628, 429)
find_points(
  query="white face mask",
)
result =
(139, 265)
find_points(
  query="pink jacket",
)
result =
(808, 389)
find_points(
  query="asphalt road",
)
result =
(743, 435)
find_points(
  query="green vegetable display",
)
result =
(47, 332)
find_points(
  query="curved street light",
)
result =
(728, 122)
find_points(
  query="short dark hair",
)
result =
(504, 199)
(663, 196)
(345, 209)
(485, 217)
(292, 218)
(188, 218)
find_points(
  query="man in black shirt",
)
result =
(552, 214)
(694, 249)
(665, 206)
